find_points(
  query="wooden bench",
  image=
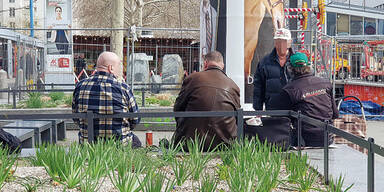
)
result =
(350, 163)
(26, 136)
(42, 129)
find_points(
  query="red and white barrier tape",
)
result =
(298, 9)
(85, 73)
(319, 29)
(292, 16)
(76, 79)
(302, 36)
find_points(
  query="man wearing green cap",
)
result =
(309, 94)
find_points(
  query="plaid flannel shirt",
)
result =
(102, 93)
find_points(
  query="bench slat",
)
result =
(42, 129)
(26, 136)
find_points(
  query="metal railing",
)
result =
(239, 114)
(368, 144)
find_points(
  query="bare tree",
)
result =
(117, 22)
(147, 13)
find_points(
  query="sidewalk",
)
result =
(375, 129)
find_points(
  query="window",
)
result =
(342, 24)
(356, 25)
(12, 12)
(12, 24)
(381, 27)
(331, 24)
(369, 26)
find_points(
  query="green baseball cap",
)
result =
(299, 60)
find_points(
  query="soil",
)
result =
(24, 171)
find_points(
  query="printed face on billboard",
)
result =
(59, 18)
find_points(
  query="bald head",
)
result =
(109, 62)
(213, 58)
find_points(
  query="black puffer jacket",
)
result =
(269, 79)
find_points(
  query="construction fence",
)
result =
(76, 55)
(354, 67)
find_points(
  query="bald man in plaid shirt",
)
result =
(106, 93)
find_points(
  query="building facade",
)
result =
(11, 14)
(16, 14)
(354, 25)
(346, 20)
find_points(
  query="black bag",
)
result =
(276, 130)
(9, 141)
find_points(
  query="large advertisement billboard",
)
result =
(213, 26)
(261, 17)
(244, 35)
(59, 62)
(58, 19)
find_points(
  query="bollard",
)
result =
(3, 83)
(148, 138)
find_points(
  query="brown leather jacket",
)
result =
(209, 90)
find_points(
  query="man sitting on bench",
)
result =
(208, 90)
(106, 93)
(309, 94)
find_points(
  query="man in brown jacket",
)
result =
(208, 90)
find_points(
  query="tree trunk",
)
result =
(141, 17)
(117, 22)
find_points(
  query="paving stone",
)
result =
(350, 163)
